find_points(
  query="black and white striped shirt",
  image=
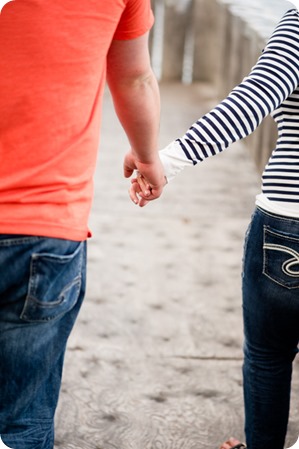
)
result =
(270, 88)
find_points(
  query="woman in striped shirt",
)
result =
(271, 259)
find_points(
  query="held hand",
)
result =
(149, 183)
(134, 193)
(141, 192)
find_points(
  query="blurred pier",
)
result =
(216, 41)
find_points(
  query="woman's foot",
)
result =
(232, 443)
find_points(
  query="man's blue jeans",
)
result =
(271, 326)
(42, 285)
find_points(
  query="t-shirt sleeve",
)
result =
(135, 21)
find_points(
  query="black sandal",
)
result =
(239, 446)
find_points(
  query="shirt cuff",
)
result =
(173, 160)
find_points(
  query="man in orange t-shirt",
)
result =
(54, 59)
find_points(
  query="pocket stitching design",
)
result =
(287, 263)
(34, 282)
(44, 305)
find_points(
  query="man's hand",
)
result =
(149, 183)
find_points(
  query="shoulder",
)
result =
(295, 3)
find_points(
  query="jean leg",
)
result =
(271, 318)
(39, 303)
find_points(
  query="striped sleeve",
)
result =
(274, 77)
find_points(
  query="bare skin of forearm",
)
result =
(137, 104)
(136, 97)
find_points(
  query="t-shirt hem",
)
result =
(40, 230)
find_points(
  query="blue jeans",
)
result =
(42, 285)
(271, 326)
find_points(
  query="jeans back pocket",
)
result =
(281, 257)
(54, 285)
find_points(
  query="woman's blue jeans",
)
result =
(42, 285)
(271, 326)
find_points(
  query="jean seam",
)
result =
(278, 217)
(13, 241)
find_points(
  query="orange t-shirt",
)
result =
(52, 76)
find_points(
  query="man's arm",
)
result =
(136, 98)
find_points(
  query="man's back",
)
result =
(52, 74)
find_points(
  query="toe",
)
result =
(230, 443)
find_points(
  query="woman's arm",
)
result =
(270, 82)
